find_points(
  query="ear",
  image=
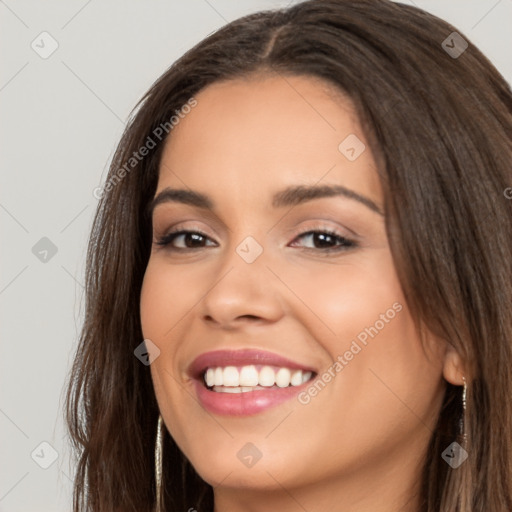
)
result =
(453, 367)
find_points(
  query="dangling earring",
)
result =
(158, 462)
(463, 428)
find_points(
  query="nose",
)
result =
(242, 293)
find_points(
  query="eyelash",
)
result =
(344, 243)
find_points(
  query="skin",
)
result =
(358, 444)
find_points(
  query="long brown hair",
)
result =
(440, 127)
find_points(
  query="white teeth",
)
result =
(231, 376)
(283, 377)
(248, 376)
(219, 379)
(231, 379)
(267, 376)
(240, 389)
(296, 378)
(231, 390)
(210, 377)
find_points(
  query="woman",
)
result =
(299, 276)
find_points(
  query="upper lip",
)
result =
(242, 357)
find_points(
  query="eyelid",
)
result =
(311, 225)
(183, 226)
(318, 224)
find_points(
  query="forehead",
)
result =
(249, 136)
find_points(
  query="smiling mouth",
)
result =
(245, 382)
(244, 379)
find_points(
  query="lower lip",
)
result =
(247, 403)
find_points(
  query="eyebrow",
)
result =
(289, 196)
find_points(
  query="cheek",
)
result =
(164, 301)
(348, 296)
(164, 298)
(360, 315)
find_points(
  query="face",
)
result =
(259, 284)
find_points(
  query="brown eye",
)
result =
(325, 240)
(189, 240)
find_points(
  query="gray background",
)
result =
(61, 119)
